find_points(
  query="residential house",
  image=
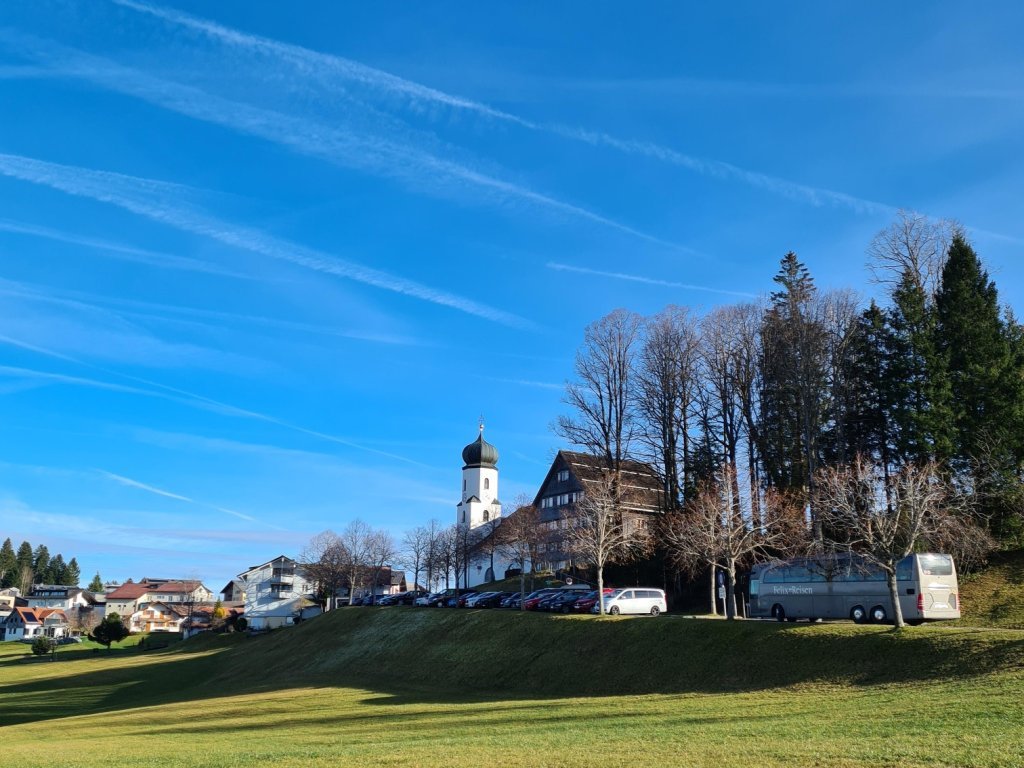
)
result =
(55, 622)
(275, 593)
(233, 592)
(59, 596)
(21, 624)
(565, 484)
(159, 617)
(132, 597)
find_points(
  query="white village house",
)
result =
(276, 593)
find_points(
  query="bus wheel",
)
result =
(778, 612)
(878, 614)
(858, 614)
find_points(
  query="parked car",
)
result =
(460, 601)
(634, 600)
(561, 602)
(513, 597)
(387, 600)
(589, 600)
(428, 600)
(410, 597)
(471, 601)
(532, 600)
(492, 600)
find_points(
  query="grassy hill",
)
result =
(994, 596)
(402, 686)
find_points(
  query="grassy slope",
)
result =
(428, 687)
(994, 597)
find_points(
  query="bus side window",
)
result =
(773, 576)
(905, 569)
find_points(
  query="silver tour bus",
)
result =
(847, 587)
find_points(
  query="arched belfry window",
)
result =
(487, 515)
(463, 483)
(487, 483)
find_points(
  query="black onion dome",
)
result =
(480, 453)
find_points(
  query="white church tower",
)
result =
(479, 505)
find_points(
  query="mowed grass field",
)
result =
(426, 687)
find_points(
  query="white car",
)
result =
(634, 600)
(471, 600)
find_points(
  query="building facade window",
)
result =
(487, 483)
(563, 475)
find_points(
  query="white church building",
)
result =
(480, 509)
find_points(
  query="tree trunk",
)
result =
(600, 589)
(522, 584)
(894, 596)
(730, 589)
(714, 592)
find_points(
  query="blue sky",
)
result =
(262, 270)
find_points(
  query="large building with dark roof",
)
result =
(568, 479)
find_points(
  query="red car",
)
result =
(531, 601)
(588, 601)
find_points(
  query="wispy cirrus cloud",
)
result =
(186, 315)
(378, 145)
(124, 252)
(311, 64)
(130, 483)
(175, 394)
(645, 280)
(161, 201)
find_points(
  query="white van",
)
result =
(634, 600)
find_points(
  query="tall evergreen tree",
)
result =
(23, 567)
(8, 564)
(868, 390)
(985, 386)
(793, 381)
(920, 399)
(41, 564)
(57, 571)
(72, 574)
(96, 585)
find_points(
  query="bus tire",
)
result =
(858, 614)
(778, 612)
(878, 615)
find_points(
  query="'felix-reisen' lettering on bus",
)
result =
(792, 590)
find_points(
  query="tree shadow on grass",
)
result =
(504, 661)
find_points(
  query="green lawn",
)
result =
(400, 686)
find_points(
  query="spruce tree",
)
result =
(72, 574)
(23, 567)
(56, 572)
(919, 388)
(869, 394)
(96, 585)
(41, 564)
(985, 387)
(8, 564)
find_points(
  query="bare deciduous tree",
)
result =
(599, 529)
(603, 421)
(326, 562)
(708, 532)
(356, 540)
(381, 552)
(884, 528)
(415, 550)
(666, 383)
(913, 245)
(521, 536)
